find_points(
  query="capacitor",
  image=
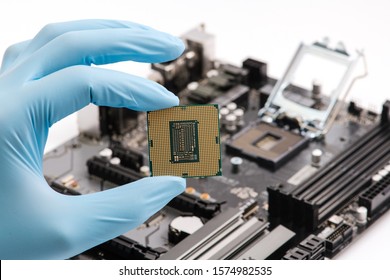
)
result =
(192, 86)
(115, 161)
(212, 73)
(236, 163)
(231, 107)
(361, 215)
(383, 172)
(145, 170)
(182, 226)
(106, 153)
(191, 59)
(223, 112)
(230, 123)
(376, 178)
(239, 113)
(316, 155)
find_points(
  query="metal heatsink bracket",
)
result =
(303, 72)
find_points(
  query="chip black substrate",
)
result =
(184, 141)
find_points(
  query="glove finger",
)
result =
(130, 205)
(12, 53)
(68, 90)
(60, 226)
(101, 46)
(53, 30)
(116, 211)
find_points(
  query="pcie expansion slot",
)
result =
(121, 248)
(187, 203)
(116, 174)
(233, 235)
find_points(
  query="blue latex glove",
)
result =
(44, 80)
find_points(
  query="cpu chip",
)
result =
(184, 141)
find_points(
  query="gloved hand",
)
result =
(44, 80)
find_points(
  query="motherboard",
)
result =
(304, 171)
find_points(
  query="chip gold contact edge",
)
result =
(185, 141)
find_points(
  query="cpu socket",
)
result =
(268, 145)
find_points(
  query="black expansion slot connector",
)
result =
(208, 236)
(129, 158)
(188, 203)
(225, 235)
(58, 187)
(121, 248)
(269, 246)
(233, 234)
(332, 187)
(116, 174)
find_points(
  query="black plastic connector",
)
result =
(58, 187)
(338, 239)
(129, 158)
(312, 248)
(354, 110)
(116, 121)
(116, 174)
(187, 203)
(385, 116)
(376, 196)
(296, 254)
(204, 94)
(315, 246)
(121, 248)
(257, 75)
